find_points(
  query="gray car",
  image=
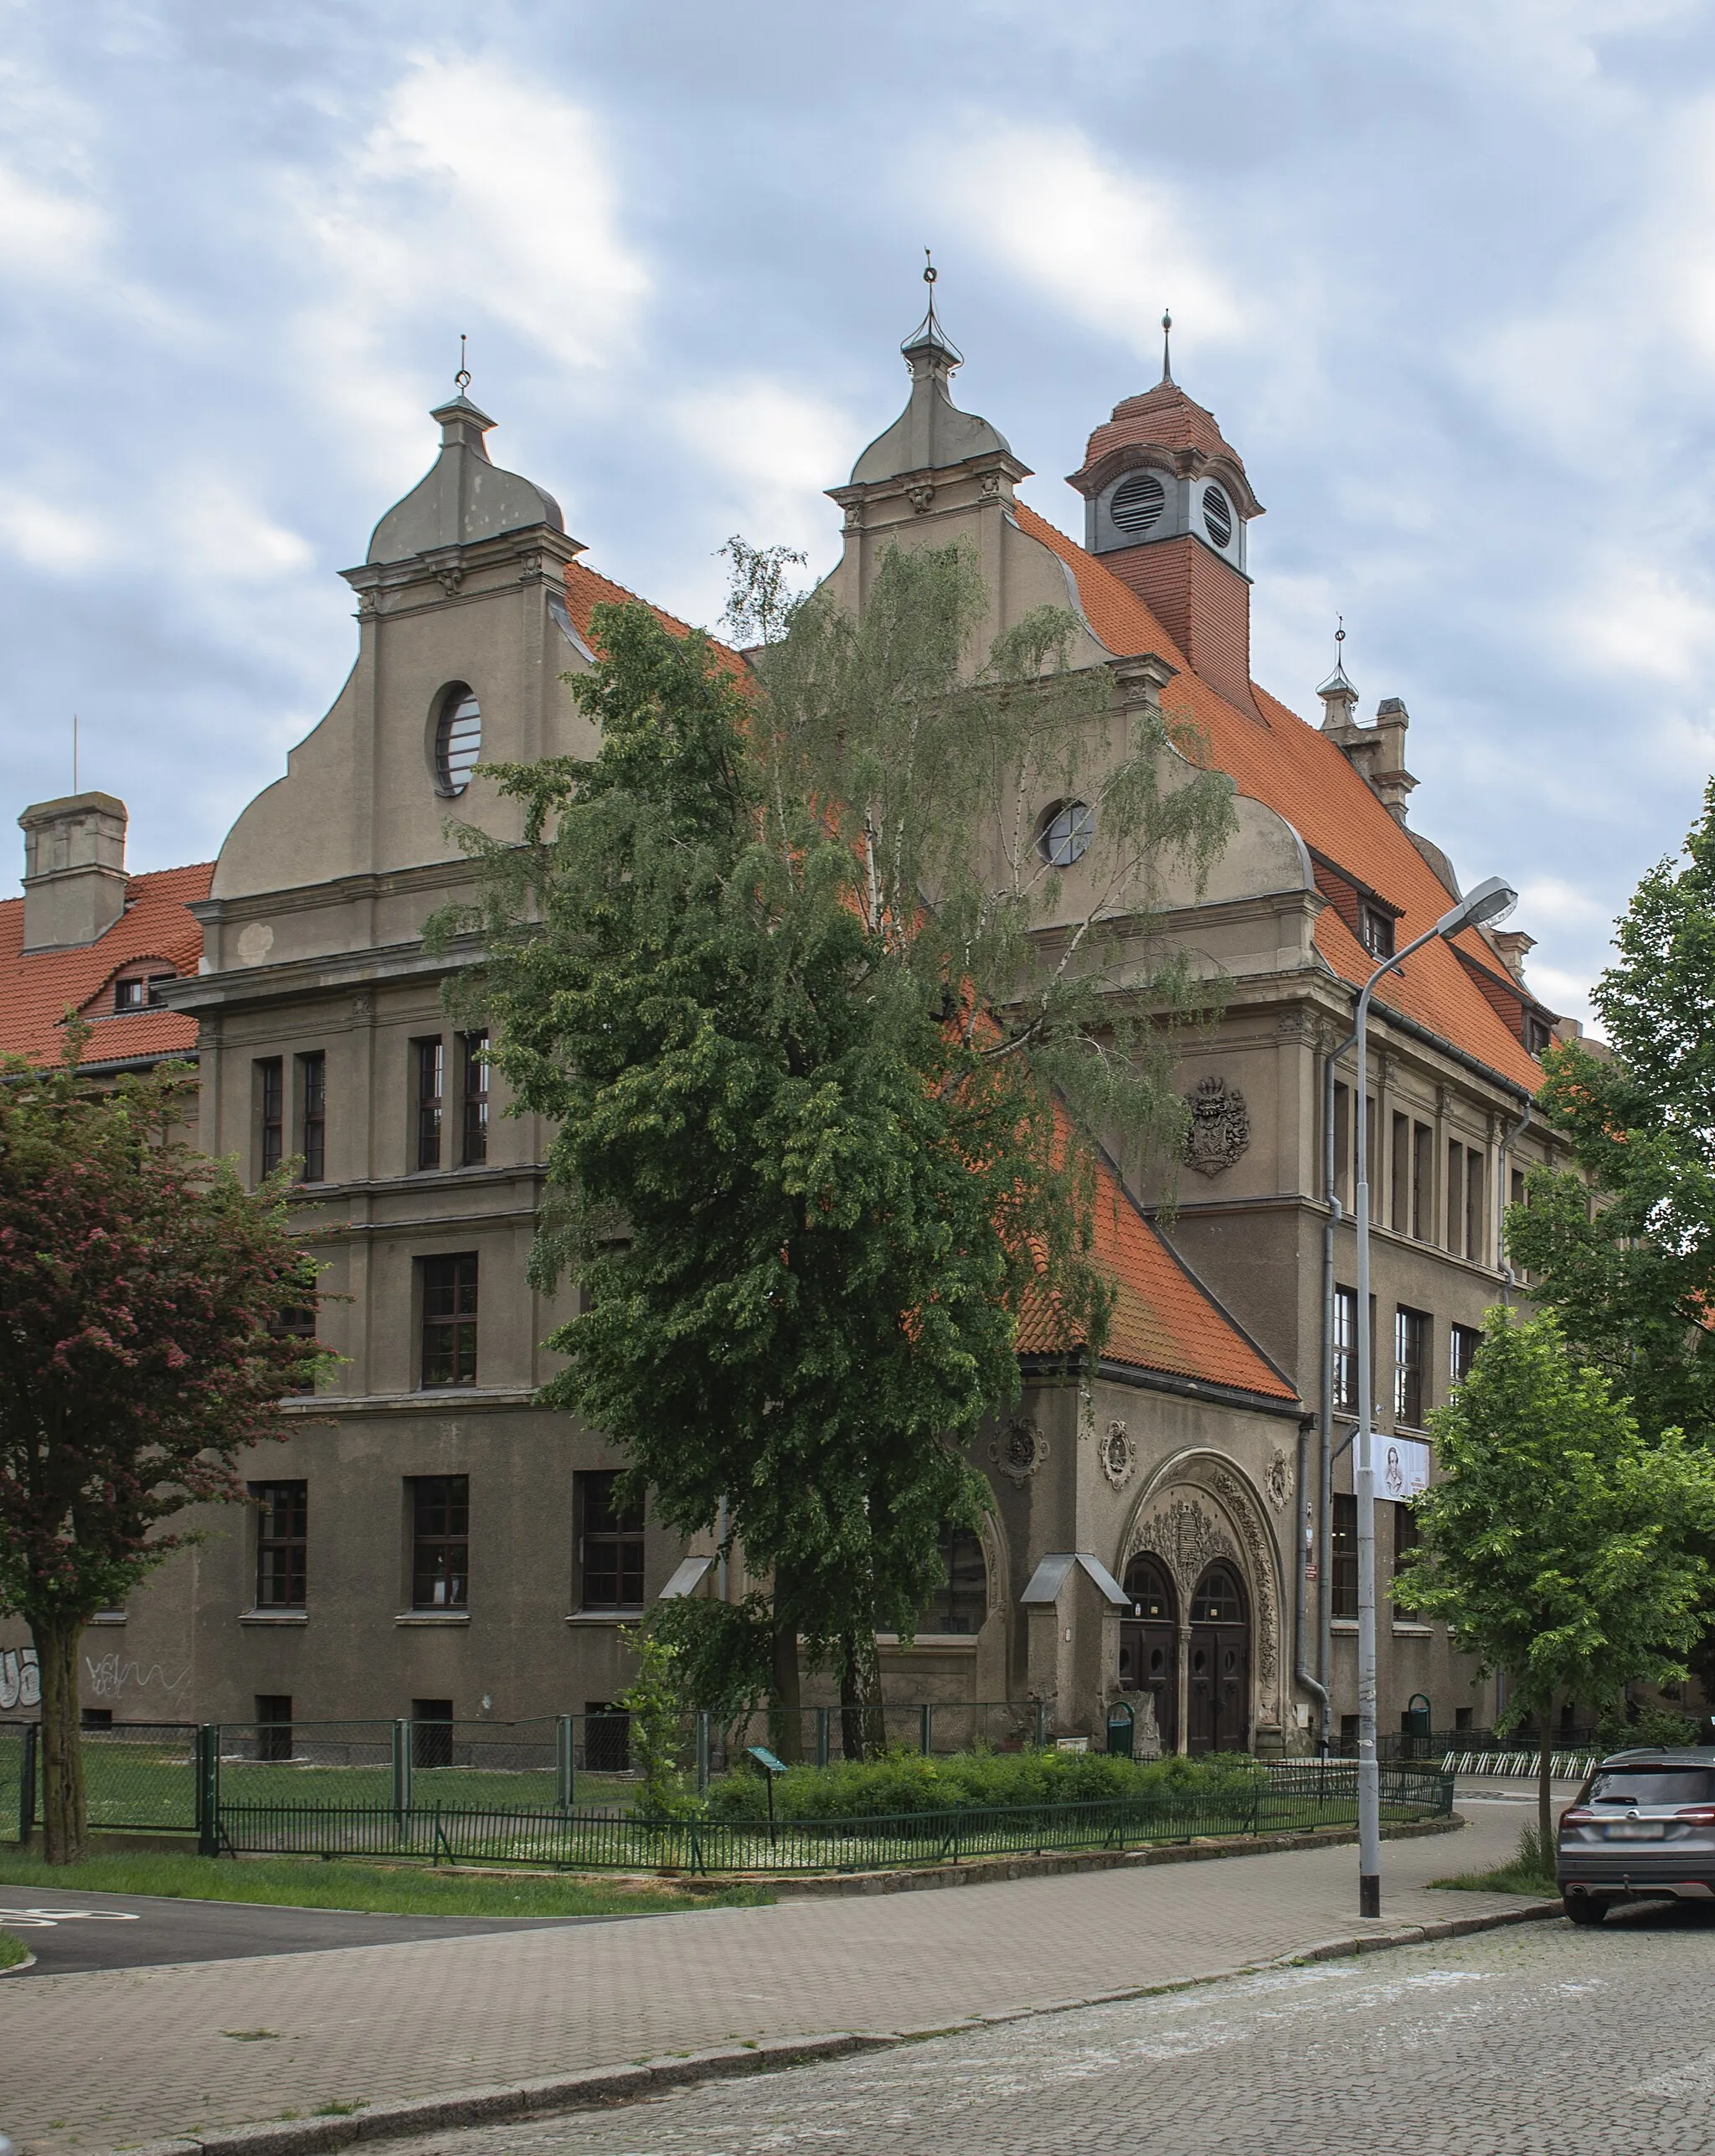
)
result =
(1643, 1829)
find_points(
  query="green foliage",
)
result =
(804, 1171)
(1528, 1872)
(1632, 1277)
(724, 1652)
(13, 1950)
(1653, 1726)
(904, 1781)
(1556, 1543)
(655, 1701)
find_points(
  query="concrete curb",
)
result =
(599, 2086)
(987, 1871)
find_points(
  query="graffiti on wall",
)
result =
(20, 1679)
(109, 1676)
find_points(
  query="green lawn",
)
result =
(11, 1951)
(404, 1889)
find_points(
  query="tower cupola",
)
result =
(1166, 507)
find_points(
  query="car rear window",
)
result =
(1655, 1785)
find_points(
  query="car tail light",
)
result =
(1696, 1815)
(1576, 1817)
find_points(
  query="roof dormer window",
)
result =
(458, 739)
(1375, 932)
(140, 991)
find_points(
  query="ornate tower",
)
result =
(1167, 503)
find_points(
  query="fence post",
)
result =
(822, 1714)
(401, 1769)
(27, 1785)
(208, 1757)
(565, 1771)
(925, 1715)
(703, 1751)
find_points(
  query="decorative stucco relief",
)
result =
(1229, 1522)
(1019, 1452)
(1186, 1540)
(1220, 1125)
(1119, 1455)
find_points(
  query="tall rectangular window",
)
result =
(1345, 1399)
(473, 1089)
(960, 1603)
(283, 1544)
(1342, 1145)
(1456, 1197)
(1411, 1333)
(1342, 1568)
(1404, 1542)
(1475, 1226)
(440, 1542)
(313, 1095)
(449, 1319)
(1463, 1342)
(609, 1544)
(1423, 1140)
(430, 1088)
(271, 1112)
(298, 1324)
(1399, 1197)
(1370, 1147)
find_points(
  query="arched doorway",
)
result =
(1217, 1694)
(1148, 1644)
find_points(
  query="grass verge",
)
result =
(11, 1951)
(394, 1890)
(1526, 1873)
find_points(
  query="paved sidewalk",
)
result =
(100, 2060)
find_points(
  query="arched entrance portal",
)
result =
(1148, 1641)
(1217, 1695)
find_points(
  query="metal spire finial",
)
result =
(1167, 346)
(461, 380)
(1339, 636)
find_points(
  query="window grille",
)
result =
(473, 1047)
(960, 1604)
(1137, 504)
(270, 1099)
(282, 1545)
(431, 1089)
(609, 1545)
(458, 740)
(312, 1084)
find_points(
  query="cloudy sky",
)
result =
(1445, 269)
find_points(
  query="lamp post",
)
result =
(1492, 900)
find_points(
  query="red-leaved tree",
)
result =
(141, 1288)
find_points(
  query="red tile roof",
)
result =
(37, 987)
(1164, 418)
(587, 589)
(1296, 770)
(1164, 1319)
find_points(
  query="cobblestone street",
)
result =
(1541, 2038)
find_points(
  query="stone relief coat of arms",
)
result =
(1220, 1126)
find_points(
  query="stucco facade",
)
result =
(1161, 1535)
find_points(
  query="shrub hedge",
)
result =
(904, 1781)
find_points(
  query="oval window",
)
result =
(1137, 504)
(1067, 830)
(1217, 516)
(458, 739)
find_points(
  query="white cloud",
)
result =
(218, 533)
(485, 194)
(46, 235)
(1112, 247)
(1637, 617)
(48, 536)
(775, 449)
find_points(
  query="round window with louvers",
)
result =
(1217, 516)
(458, 739)
(1066, 832)
(1137, 504)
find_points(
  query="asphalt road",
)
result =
(67, 1930)
(1533, 2041)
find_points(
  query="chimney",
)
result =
(73, 870)
(1376, 752)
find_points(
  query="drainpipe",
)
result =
(1508, 1144)
(1306, 1543)
(1324, 1483)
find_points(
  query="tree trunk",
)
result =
(1545, 1803)
(788, 1697)
(64, 1819)
(863, 1724)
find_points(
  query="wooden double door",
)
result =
(1197, 1668)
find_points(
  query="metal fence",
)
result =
(1276, 1800)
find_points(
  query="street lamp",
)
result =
(1492, 900)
